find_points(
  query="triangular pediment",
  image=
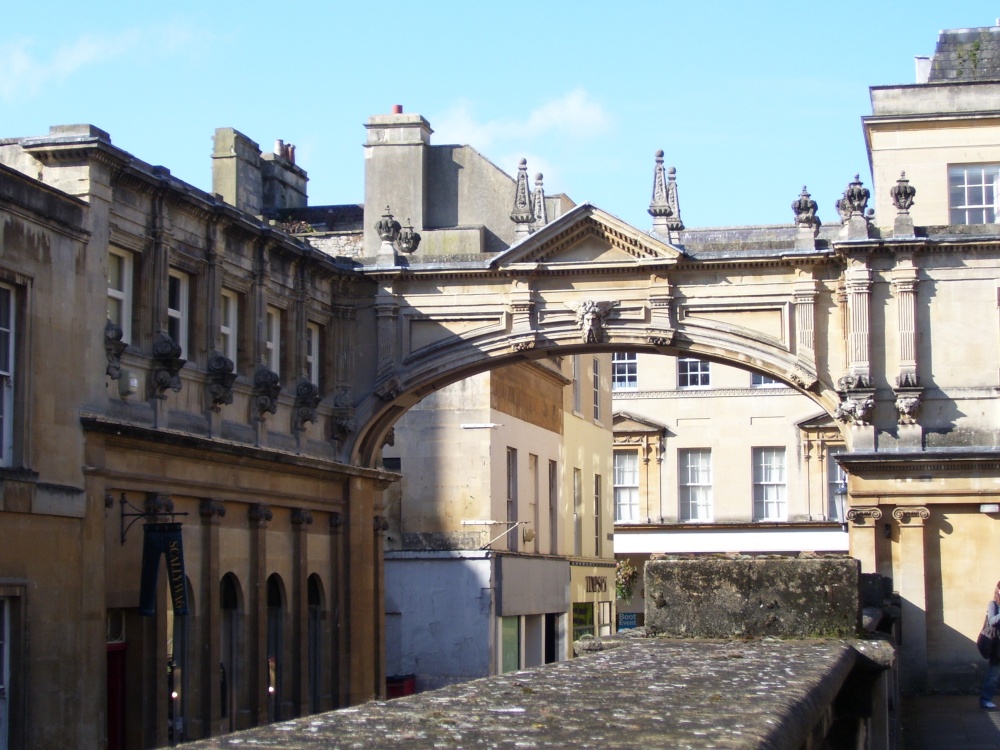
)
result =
(624, 422)
(588, 236)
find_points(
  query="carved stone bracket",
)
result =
(307, 398)
(853, 382)
(301, 517)
(259, 515)
(388, 389)
(336, 521)
(158, 505)
(390, 437)
(859, 514)
(856, 409)
(524, 345)
(167, 364)
(591, 317)
(113, 349)
(802, 378)
(266, 387)
(907, 405)
(219, 381)
(343, 424)
(911, 515)
(660, 338)
(380, 524)
(212, 511)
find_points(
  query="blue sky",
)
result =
(748, 100)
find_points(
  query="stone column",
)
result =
(301, 520)
(908, 390)
(863, 536)
(910, 580)
(259, 517)
(365, 609)
(210, 616)
(336, 606)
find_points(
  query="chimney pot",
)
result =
(397, 109)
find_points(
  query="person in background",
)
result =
(993, 672)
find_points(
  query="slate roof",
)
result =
(967, 55)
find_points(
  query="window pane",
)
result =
(695, 467)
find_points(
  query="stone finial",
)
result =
(902, 194)
(805, 211)
(855, 200)
(387, 227)
(664, 207)
(522, 213)
(538, 203)
(408, 240)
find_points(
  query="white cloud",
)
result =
(575, 115)
(28, 68)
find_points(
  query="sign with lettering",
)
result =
(597, 584)
(162, 539)
(627, 620)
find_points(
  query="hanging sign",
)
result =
(162, 539)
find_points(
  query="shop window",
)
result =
(583, 619)
(510, 645)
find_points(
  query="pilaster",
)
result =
(259, 516)
(301, 521)
(862, 529)
(210, 617)
(910, 581)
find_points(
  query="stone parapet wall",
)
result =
(751, 597)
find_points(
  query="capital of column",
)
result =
(860, 515)
(911, 516)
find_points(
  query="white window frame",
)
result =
(120, 297)
(973, 193)
(577, 400)
(178, 317)
(693, 373)
(626, 485)
(577, 512)
(597, 515)
(512, 500)
(229, 324)
(8, 371)
(760, 380)
(272, 339)
(597, 389)
(694, 471)
(770, 484)
(624, 371)
(836, 477)
(313, 353)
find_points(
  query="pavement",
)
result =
(948, 722)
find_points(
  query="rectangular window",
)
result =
(692, 373)
(177, 309)
(229, 327)
(769, 488)
(626, 481)
(120, 291)
(624, 371)
(760, 380)
(512, 497)
(604, 618)
(577, 512)
(597, 515)
(695, 467)
(510, 644)
(972, 193)
(583, 619)
(836, 482)
(535, 511)
(272, 342)
(7, 374)
(577, 400)
(553, 508)
(597, 390)
(312, 352)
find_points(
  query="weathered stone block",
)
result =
(752, 597)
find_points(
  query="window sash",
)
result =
(973, 191)
(272, 344)
(695, 472)
(597, 390)
(624, 371)
(693, 373)
(312, 352)
(597, 515)
(770, 484)
(7, 373)
(626, 485)
(120, 291)
(177, 309)
(229, 326)
(760, 380)
(576, 384)
(835, 477)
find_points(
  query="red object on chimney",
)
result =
(397, 109)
